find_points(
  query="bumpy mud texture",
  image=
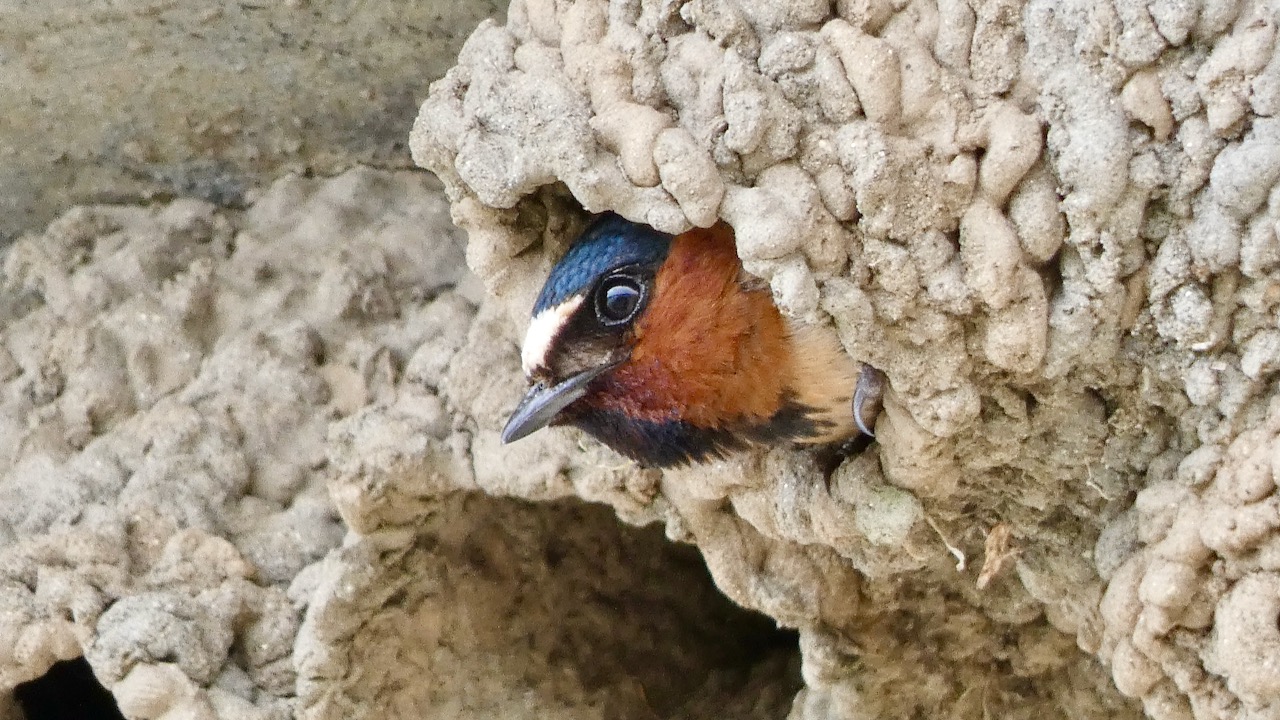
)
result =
(1052, 224)
(174, 379)
(169, 378)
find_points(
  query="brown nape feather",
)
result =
(716, 353)
(824, 379)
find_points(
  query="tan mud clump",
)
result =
(1054, 226)
(181, 388)
(170, 375)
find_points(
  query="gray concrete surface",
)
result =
(124, 100)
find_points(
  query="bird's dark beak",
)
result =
(543, 403)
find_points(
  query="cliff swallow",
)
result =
(662, 348)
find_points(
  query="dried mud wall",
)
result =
(1052, 224)
(241, 476)
(249, 459)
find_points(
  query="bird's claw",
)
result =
(868, 398)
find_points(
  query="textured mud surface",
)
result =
(1051, 224)
(174, 381)
(249, 460)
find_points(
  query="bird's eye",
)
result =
(617, 300)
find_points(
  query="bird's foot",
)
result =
(868, 398)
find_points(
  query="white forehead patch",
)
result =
(543, 329)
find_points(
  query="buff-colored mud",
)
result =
(249, 461)
(1053, 226)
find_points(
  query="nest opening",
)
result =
(68, 691)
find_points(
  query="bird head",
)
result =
(663, 348)
(584, 319)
